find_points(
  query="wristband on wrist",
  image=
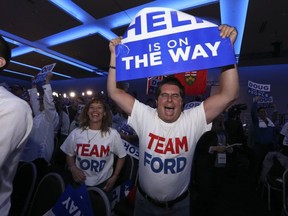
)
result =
(117, 175)
(112, 67)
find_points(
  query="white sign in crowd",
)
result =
(261, 90)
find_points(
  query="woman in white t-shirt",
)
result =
(91, 147)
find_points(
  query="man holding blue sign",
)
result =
(168, 135)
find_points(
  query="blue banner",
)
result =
(73, 201)
(162, 41)
(41, 76)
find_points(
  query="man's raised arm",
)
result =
(229, 83)
(124, 100)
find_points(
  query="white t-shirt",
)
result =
(97, 157)
(284, 132)
(40, 143)
(166, 149)
(15, 125)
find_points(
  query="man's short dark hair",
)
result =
(5, 51)
(261, 109)
(172, 81)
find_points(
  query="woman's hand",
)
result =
(78, 174)
(113, 43)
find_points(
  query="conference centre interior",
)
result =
(74, 36)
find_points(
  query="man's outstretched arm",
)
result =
(229, 83)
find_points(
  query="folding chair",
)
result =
(125, 207)
(274, 166)
(49, 189)
(127, 172)
(100, 202)
(285, 193)
(23, 186)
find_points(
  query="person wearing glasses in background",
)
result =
(168, 135)
(15, 125)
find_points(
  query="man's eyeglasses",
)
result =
(172, 96)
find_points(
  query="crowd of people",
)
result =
(177, 147)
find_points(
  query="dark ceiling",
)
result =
(42, 33)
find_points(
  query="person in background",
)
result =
(75, 123)
(119, 122)
(61, 133)
(75, 107)
(265, 138)
(211, 161)
(20, 91)
(15, 125)
(90, 149)
(234, 125)
(40, 144)
(235, 132)
(168, 135)
(283, 139)
(62, 129)
(150, 102)
(119, 119)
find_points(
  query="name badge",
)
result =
(221, 158)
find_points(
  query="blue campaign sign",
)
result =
(41, 76)
(162, 41)
(73, 201)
